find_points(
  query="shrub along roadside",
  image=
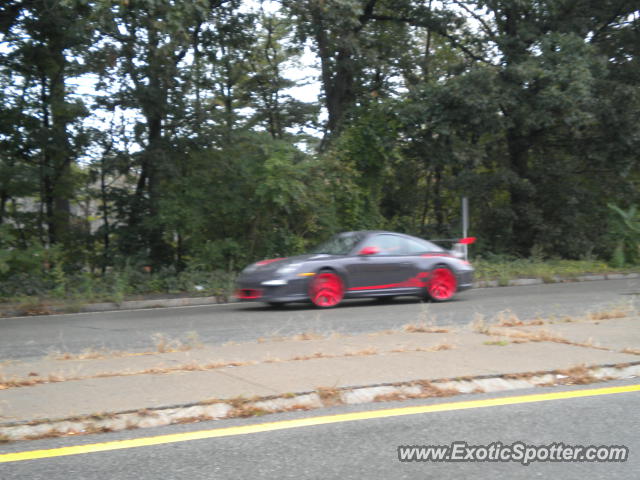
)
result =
(115, 286)
(504, 270)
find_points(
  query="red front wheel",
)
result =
(442, 284)
(326, 289)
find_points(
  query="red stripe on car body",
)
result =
(417, 281)
(267, 262)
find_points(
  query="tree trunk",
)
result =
(437, 200)
(338, 70)
(3, 205)
(57, 182)
(159, 251)
(523, 233)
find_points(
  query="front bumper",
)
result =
(294, 290)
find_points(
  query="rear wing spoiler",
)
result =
(459, 245)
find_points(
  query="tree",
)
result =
(539, 68)
(270, 56)
(356, 55)
(46, 38)
(150, 39)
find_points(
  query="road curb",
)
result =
(159, 303)
(14, 311)
(521, 282)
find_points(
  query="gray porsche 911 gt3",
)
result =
(358, 264)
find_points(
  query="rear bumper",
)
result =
(465, 280)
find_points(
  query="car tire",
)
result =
(326, 289)
(442, 284)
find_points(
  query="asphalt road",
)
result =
(364, 448)
(32, 337)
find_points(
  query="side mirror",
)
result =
(369, 251)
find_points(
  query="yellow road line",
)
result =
(310, 421)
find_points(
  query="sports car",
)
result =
(375, 264)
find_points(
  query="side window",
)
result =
(415, 247)
(388, 244)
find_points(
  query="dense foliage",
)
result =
(165, 134)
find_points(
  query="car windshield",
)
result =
(340, 244)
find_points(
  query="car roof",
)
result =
(368, 233)
(372, 232)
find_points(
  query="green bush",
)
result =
(626, 231)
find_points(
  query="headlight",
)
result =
(286, 269)
(274, 283)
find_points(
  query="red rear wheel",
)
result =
(442, 284)
(326, 289)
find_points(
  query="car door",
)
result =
(388, 269)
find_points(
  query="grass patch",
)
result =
(542, 335)
(441, 347)
(618, 312)
(430, 390)
(632, 351)
(496, 343)
(423, 328)
(329, 396)
(361, 353)
(245, 411)
(391, 397)
(307, 336)
(88, 354)
(578, 375)
(164, 344)
(507, 318)
(300, 337)
(36, 295)
(479, 324)
(305, 357)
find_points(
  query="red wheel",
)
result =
(442, 284)
(326, 289)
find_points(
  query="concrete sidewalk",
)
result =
(50, 389)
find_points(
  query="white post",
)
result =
(465, 223)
